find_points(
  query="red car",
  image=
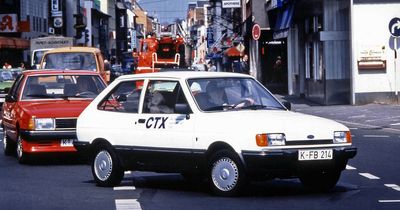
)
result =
(40, 111)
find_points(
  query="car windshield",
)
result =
(223, 94)
(62, 86)
(70, 61)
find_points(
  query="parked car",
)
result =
(6, 80)
(40, 111)
(225, 127)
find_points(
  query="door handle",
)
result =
(142, 120)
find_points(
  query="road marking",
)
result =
(369, 176)
(125, 188)
(349, 167)
(393, 186)
(127, 172)
(127, 204)
(367, 126)
(357, 116)
(353, 128)
(395, 124)
(389, 201)
(376, 136)
(352, 135)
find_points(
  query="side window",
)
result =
(15, 87)
(161, 97)
(123, 98)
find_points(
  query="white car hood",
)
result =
(295, 126)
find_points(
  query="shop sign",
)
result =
(231, 4)
(372, 58)
(8, 23)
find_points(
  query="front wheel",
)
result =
(227, 176)
(320, 181)
(106, 167)
(21, 155)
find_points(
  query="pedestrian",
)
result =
(212, 67)
(7, 66)
(245, 65)
(107, 65)
(22, 66)
(277, 70)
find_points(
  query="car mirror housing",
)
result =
(182, 109)
(9, 99)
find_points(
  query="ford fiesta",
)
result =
(40, 111)
(225, 127)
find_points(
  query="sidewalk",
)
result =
(370, 116)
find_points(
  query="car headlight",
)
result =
(270, 139)
(341, 137)
(44, 124)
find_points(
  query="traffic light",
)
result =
(79, 25)
(86, 35)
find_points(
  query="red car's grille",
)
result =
(69, 123)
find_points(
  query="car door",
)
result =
(167, 135)
(119, 113)
(10, 108)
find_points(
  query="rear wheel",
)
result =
(106, 167)
(21, 155)
(9, 147)
(320, 181)
(226, 171)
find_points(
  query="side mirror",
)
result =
(182, 109)
(288, 105)
(9, 99)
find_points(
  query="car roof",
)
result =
(74, 49)
(59, 72)
(183, 75)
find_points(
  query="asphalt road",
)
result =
(371, 181)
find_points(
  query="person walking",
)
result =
(7, 66)
(244, 65)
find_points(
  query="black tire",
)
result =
(22, 157)
(9, 147)
(106, 167)
(320, 181)
(226, 173)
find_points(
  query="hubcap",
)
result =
(19, 148)
(103, 165)
(225, 174)
(5, 139)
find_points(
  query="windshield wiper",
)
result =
(39, 96)
(222, 107)
(259, 106)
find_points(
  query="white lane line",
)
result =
(127, 172)
(349, 167)
(356, 116)
(125, 188)
(352, 136)
(393, 186)
(395, 124)
(353, 128)
(369, 176)
(376, 136)
(127, 204)
(389, 201)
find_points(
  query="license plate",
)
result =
(67, 142)
(316, 154)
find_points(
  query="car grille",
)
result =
(69, 123)
(309, 142)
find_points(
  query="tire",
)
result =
(106, 167)
(9, 147)
(22, 157)
(320, 181)
(226, 173)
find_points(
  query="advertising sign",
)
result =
(372, 58)
(231, 4)
(8, 23)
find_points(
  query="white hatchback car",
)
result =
(225, 127)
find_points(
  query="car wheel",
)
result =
(9, 147)
(106, 167)
(226, 173)
(320, 181)
(21, 155)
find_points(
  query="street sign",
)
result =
(394, 27)
(256, 31)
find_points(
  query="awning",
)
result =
(283, 21)
(14, 43)
(232, 52)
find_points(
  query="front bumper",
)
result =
(285, 163)
(29, 135)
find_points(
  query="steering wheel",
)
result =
(244, 103)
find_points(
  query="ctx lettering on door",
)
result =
(156, 122)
